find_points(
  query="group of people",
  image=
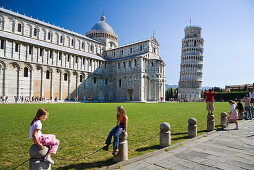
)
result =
(4, 99)
(43, 140)
(233, 114)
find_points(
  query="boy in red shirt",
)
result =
(209, 101)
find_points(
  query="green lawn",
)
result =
(83, 128)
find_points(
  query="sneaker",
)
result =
(48, 159)
(105, 148)
(115, 152)
(235, 128)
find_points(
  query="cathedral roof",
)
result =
(102, 27)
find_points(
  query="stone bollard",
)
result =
(165, 134)
(192, 127)
(122, 155)
(252, 111)
(240, 115)
(210, 122)
(36, 162)
(223, 119)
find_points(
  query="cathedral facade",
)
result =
(42, 60)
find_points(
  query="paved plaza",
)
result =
(229, 149)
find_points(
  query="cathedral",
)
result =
(38, 59)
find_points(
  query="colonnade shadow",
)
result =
(88, 165)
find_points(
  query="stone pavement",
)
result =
(230, 149)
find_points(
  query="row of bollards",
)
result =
(165, 140)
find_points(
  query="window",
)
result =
(83, 45)
(120, 82)
(154, 50)
(77, 59)
(49, 35)
(130, 50)
(2, 44)
(99, 64)
(141, 47)
(41, 50)
(83, 61)
(50, 54)
(61, 39)
(121, 52)
(30, 49)
(123, 64)
(80, 78)
(152, 64)
(72, 42)
(114, 54)
(105, 65)
(16, 47)
(65, 76)
(60, 56)
(19, 27)
(135, 61)
(35, 32)
(90, 63)
(119, 65)
(106, 81)
(94, 80)
(47, 74)
(68, 58)
(25, 72)
(130, 63)
(91, 48)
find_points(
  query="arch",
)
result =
(1, 22)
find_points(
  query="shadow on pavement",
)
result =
(154, 147)
(90, 165)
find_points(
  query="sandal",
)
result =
(115, 151)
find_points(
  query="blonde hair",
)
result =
(121, 110)
(40, 112)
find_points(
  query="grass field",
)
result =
(83, 128)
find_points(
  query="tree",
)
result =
(245, 88)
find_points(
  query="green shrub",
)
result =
(226, 96)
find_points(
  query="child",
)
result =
(233, 113)
(120, 127)
(247, 108)
(43, 139)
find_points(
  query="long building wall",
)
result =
(41, 60)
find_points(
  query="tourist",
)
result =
(209, 101)
(233, 115)
(43, 140)
(251, 94)
(120, 127)
(247, 108)
(240, 109)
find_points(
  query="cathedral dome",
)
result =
(102, 27)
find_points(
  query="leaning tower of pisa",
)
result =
(190, 82)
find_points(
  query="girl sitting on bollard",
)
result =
(233, 115)
(42, 140)
(120, 127)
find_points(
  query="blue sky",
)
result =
(227, 29)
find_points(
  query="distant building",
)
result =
(42, 60)
(190, 82)
(230, 88)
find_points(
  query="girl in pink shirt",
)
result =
(42, 140)
(233, 115)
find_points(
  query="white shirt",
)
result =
(37, 125)
(251, 94)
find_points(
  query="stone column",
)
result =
(77, 85)
(192, 127)
(60, 85)
(223, 119)
(31, 82)
(165, 134)
(122, 155)
(42, 80)
(37, 155)
(51, 85)
(210, 122)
